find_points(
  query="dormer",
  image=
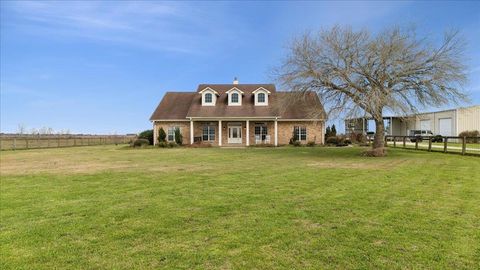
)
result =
(235, 97)
(261, 96)
(209, 96)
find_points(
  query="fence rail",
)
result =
(448, 144)
(34, 142)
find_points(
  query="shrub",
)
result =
(328, 132)
(200, 145)
(357, 138)
(311, 143)
(338, 140)
(333, 131)
(293, 139)
(331, 140)
(163, 144)
(172, 145)
(162, 136)
(353, 137)
(147, 135)
(342, 141)
(140, 142)
(297, 143)
(360, 138)
(178, 137)
(471, 133)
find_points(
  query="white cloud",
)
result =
(174, 27)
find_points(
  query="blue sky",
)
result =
(102, 67)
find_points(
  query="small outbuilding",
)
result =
(446, 123)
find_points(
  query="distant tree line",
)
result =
(22, 129)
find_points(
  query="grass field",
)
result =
(110, 207)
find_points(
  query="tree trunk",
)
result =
(378, 140)
(378, 148)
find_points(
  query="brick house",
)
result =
(240, 115)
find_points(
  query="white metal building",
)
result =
(445, 123)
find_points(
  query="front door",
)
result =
(235, 134)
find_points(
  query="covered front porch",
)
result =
(234, 132)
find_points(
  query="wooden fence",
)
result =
(17, 142)
(449, 144)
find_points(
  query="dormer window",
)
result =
(234, 97)
(209, 96)
(261, 96)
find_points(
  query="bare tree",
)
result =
(355, 72)
(21, 129)
(43, 130)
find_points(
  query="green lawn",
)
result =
(264, 208)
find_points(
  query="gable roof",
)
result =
(208, 89)
(261, 89)
(235, 89)
(182, 105)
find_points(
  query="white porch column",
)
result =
(219, 132)
(248, 133)
(276, 132)
(155, 134)
(191, 131)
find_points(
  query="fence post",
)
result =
(58, 142)
(416, 143)
(404, 141)
(26, 143)
(394, 142)
(429, 144)
(48, 142)
(386, 141)
(445, 145)
(464, 145)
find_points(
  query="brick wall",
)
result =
(183, 125)
(314, 131)
(198, 130)
(285, 130)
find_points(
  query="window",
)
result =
(261, 130)
(261, 97)
(208, 133)
(300, 133)
(234, 97)
(171, 134)
(208, 98)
